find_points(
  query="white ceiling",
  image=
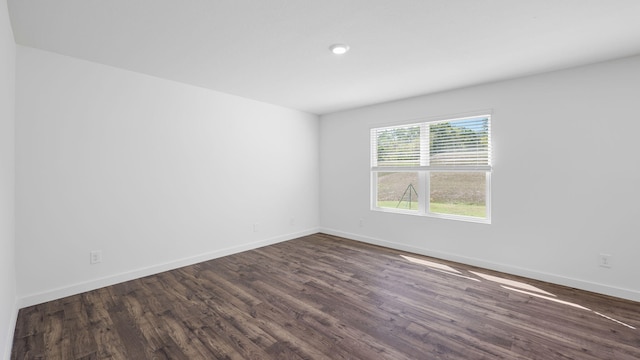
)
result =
(276, 51)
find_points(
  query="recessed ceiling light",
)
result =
(339, 49)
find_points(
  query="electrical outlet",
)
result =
(604, 260)
(361, 223)
(292, 221)
(255, 227)
(95, 257)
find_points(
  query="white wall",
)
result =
(154, 173)
(565, 185)
(8, 308)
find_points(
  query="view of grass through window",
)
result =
(398, 190)
(458, 193)
(455, 193)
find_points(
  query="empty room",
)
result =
(353, 179)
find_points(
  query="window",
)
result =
(448, 160)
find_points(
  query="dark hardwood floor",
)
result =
(323, 297)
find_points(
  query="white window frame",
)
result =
(424, 171)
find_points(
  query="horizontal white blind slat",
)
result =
(430, 168)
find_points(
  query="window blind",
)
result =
(452, 144)
(397, 146)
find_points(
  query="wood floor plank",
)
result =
(324, 297)
(55, 343)
(109, 345)
(130, 332)
(237, 320)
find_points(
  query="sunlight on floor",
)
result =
(511, 285)
(439, 267)
(568, 303)
(431, 264)
(546, 297)
(614, 320)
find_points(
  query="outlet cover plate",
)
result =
(604, 260)
(95, 257)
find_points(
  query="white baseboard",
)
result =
(509, 269)
(38, 298)
(12, 325)
(78, 288)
